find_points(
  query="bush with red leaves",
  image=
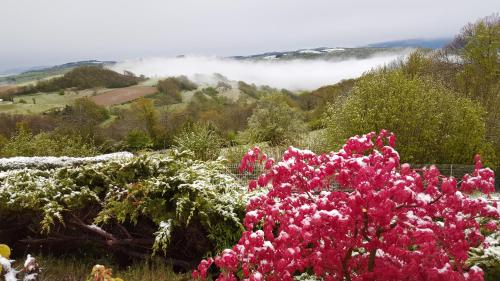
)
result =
(387, 221)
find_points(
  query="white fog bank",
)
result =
(292, 75)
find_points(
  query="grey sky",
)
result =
(38, 32)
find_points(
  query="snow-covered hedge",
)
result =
(488, 257)
(132, 205)
(49, 162)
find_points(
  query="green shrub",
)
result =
(24, 143)
(137, 139)
(201, 139)
(210, 91)
(315, 103)
(432, 124)
(250, 90)
(85, 112)
(274, 121)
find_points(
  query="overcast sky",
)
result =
(36, 32)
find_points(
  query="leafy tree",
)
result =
(137, 139)
(249, 90)
(324, 95)
(87, 110)
(437, 65)
(227, 115)
(172, 87)
(210, 91)
(201, 139)
(140, 116)
(479, 50)
(315, 103)
(415, 64)
(171, 90)
(146, 113)
(274, 121)
(433, 124)
(83, 117)
(385, 221)
(480, 76)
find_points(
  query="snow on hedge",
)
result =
(156, 193)
(49, 162)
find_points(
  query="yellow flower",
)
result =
(4, 252)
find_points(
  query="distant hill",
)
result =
(344, 52)
(40, 73)
(18, 70)
(72, 65)
(324, 53)
(85, 77)
(413, 43)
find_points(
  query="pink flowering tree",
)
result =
(358, 214)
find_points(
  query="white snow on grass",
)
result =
(329, 50)
(309, 52)
(273, 57)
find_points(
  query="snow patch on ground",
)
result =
(309, 52)
(329, 50)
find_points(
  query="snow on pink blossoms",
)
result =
(386, 221)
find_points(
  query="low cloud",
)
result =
(292, 75)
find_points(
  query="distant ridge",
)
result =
(39, 72)
(18, 70)
(435, 43)
(71, 65)
(325, 53)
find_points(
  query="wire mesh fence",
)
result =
(451, 170)
(276, 152)
(455, 170)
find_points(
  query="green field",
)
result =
(41, 102)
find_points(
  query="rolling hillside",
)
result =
(46, 72)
